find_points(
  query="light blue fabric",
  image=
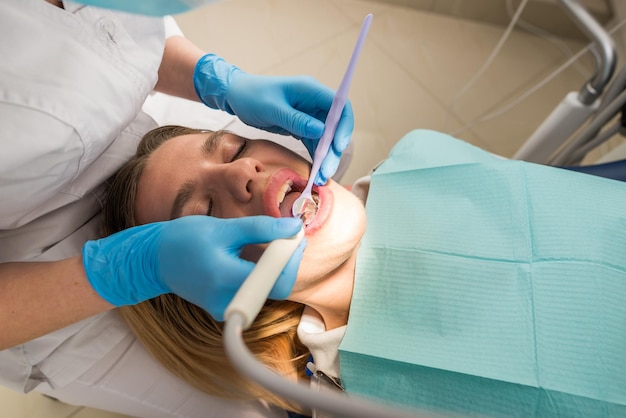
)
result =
(489, 287)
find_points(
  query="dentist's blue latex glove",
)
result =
(195, 257)
(295, 106)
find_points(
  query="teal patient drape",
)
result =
(489, 287)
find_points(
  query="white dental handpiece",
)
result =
(253, 293)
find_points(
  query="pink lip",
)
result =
(278, 180)
(323, 211)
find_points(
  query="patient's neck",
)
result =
(331, 297)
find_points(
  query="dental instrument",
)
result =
(305, 207)
(252, 294)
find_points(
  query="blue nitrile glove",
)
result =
(195, 257)
(285, 105)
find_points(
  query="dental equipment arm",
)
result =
(604, 51)
(562, 122)
(575, 108)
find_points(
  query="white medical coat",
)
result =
(72, 83)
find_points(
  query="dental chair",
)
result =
(577, 124)
(615, 170)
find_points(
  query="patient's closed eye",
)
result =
(234, 148)
(209, 207)
(240, 150)
(221, 146)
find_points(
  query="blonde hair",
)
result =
(184, 337)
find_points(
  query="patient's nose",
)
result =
(242, 177)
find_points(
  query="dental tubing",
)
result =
(242, 311)
(252, 294)
(338, 403)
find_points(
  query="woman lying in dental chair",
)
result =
(474, 285)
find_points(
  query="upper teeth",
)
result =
(282, 192)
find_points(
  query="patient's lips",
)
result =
(324, 198)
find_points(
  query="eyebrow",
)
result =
(211, 142)
(182, 197)
(208, 148)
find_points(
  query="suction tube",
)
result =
(337, 403)
(604, 51)
(240, 314)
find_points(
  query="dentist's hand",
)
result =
(285, 105)
(195, 257)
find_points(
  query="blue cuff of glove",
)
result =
(211, 79)
(121, 267)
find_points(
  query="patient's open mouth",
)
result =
(282, 190)
(288, 194)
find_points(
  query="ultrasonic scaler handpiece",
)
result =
(253, 293)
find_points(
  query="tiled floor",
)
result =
(412, 68)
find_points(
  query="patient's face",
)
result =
(226, 176)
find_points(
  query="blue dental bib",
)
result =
(489, 287)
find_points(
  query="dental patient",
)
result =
(483, 286)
